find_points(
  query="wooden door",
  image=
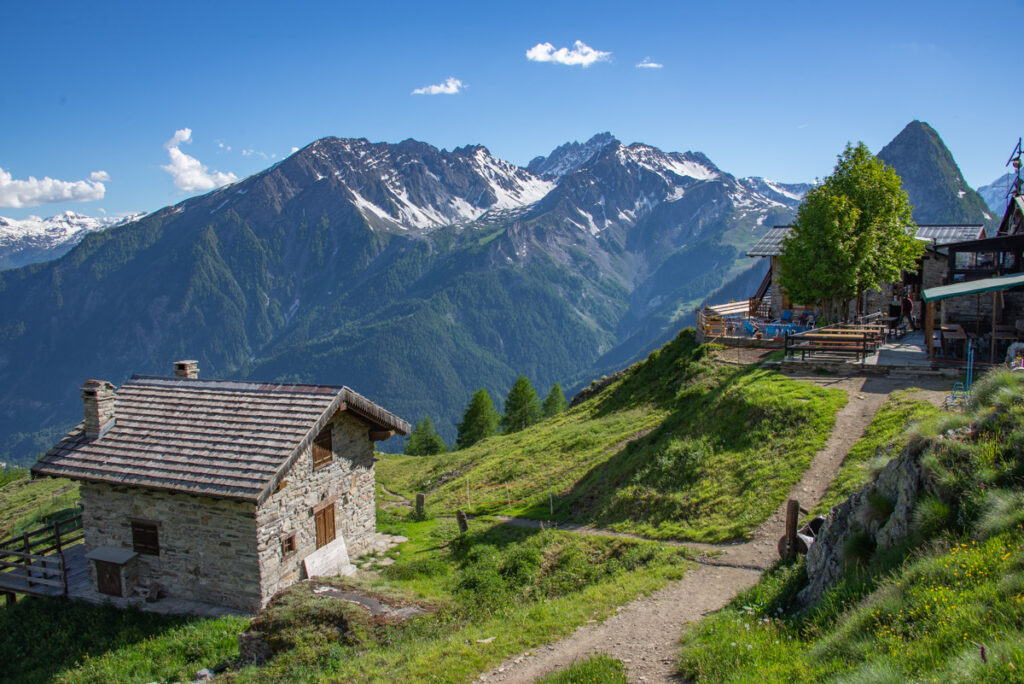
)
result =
(324, 519)
(108, 578)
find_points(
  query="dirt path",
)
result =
(645, 634)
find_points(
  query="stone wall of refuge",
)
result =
(348, 482)
(207, 546)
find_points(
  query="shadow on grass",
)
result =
(45, 636)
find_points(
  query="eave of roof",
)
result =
(973, 287)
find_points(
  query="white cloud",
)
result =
(580, 54)
(294, 150)
(450, 86)
(188, 172)
(221, 145)
(646, 63)
(36, 191)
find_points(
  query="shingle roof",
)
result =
(216, 438)
(771, 243)
(943, 235)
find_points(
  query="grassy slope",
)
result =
(27, 504)
(947, 606)
(677, 447)
(522, 587)
(883, 439)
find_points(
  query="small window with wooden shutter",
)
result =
(324, 521)
(288, 545)
(322, 449)
(145, 538)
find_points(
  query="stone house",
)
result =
(218, 491)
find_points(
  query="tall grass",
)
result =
(947, 605)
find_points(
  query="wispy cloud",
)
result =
(579, 54)
(294, 150)
(646, 63)
(35, 191)
(450, 86)
(250, 152)
(188, 172)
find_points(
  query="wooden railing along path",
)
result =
(33, 563)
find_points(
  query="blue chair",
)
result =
(787, 316)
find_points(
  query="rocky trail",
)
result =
(644, 634)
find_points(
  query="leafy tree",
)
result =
(424, 440)
(479, 421)
(555, 402)
(850, 235)
(522, 408)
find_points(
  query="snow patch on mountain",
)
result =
(35, 239)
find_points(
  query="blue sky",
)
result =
(771, 89)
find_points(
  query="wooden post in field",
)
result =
(508, 495)
(460, 518)
(551, 498)
(420, 502)
(792, 518)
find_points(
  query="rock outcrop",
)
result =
(881, 513)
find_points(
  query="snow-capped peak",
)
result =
(33, 239)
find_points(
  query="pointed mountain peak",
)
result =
(932, 179)
(570, 156)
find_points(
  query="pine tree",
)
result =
(424, 440)
(555, 402)
(480, 420)
(522, 408)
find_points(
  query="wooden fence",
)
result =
(33, 563)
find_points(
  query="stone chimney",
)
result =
(187, 369)
(98, 399)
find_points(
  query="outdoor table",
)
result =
(953, 335)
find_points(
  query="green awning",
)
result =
(973, 287)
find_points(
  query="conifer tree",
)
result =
(480, 420)
(522, 408)
(555, 402)
(424, 440)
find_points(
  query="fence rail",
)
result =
(33, 562)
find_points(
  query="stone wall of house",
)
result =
(348, 481)
(207, 546)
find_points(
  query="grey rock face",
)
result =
(900, 483)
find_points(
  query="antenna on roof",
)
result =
(1015, 161)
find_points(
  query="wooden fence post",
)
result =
(460, 518)
(420, 502)
(28, 561)
(792, 518)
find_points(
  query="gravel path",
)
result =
(645, 634)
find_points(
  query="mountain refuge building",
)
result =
(220, 492)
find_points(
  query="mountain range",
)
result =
(35, 239)
(996, 193)
(413, 274)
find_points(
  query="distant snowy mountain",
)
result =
(995, 193)
(569, 157)
(31, 240)
(413, 186)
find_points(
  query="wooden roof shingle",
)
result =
(225, 439)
